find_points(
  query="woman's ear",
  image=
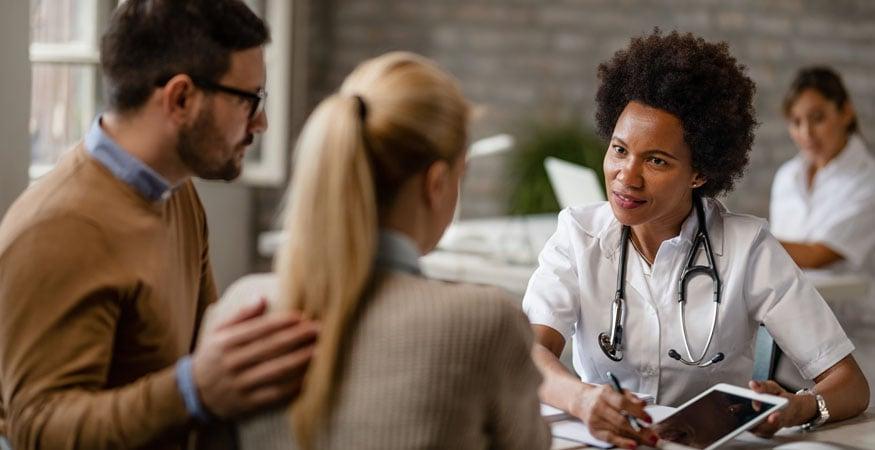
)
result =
(436, 184)
(699, 180)
(848, 113)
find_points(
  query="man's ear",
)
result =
(436, 181)
(180, 99)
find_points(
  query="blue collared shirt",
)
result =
(396, 251)
(124, 166)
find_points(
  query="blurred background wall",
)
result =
(14, 96)
(520, 61)
(526, 60)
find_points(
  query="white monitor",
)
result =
(573, 184)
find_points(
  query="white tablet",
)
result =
(714, 417)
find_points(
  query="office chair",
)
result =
(769, 363)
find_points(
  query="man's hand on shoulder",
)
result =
(252, 360)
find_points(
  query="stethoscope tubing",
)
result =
(612, 344)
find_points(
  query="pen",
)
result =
(633, 422)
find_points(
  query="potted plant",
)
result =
(567, 140)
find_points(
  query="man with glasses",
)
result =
(104, 266)
(256, 99)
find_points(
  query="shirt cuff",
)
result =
(539, 316)
(828, 358)
(185, 383)
(853, 252)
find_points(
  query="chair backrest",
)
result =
(770, 364)
(765, 355)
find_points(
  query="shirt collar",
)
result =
(124, 166)
(609, 235)
(397, 251)
(852, 155)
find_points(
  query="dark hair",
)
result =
(698, 82)
(147, 40)
(823, 80)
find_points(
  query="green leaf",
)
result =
(570, 141)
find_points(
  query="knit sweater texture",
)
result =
(427, 365)
(101, 292)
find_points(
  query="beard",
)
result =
(202, 150)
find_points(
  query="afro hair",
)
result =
(701, 84)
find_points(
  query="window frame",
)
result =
(76, 53)
(268, 170)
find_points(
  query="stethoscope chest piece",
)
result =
(611, 351)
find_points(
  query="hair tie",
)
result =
(363, 107)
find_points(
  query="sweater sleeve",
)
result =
(516, 414)
(208, 293)
(60, 309)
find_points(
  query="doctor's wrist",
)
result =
(807, 409)
(575, 404)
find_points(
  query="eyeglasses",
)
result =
(256, 99)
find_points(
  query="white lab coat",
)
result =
(572, 289)
(838, 211)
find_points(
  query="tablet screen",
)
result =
(709, 419)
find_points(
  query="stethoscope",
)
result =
(613, 345)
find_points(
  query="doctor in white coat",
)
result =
(823, 200)
(678, 114)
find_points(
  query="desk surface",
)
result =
(852, 434)
(514, 277)
(503, 252)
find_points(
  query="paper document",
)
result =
(576, 431)
(551, 414)
(562, 444)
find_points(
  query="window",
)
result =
(64, 59)
(66, 84)
(266, 161)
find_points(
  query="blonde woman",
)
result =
(402, 361)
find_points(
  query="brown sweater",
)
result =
(430, 365)
(101, 292)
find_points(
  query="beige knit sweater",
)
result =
(431, 365)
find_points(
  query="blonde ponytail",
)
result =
(393, 116)
(332, 223)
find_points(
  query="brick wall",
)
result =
(524, 59)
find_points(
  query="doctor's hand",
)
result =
(602, 409)
(800, 408)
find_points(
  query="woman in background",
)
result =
(823, 200)
(402, 361)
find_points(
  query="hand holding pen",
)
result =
(633, 421)
(641, 428)
(601, 408)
